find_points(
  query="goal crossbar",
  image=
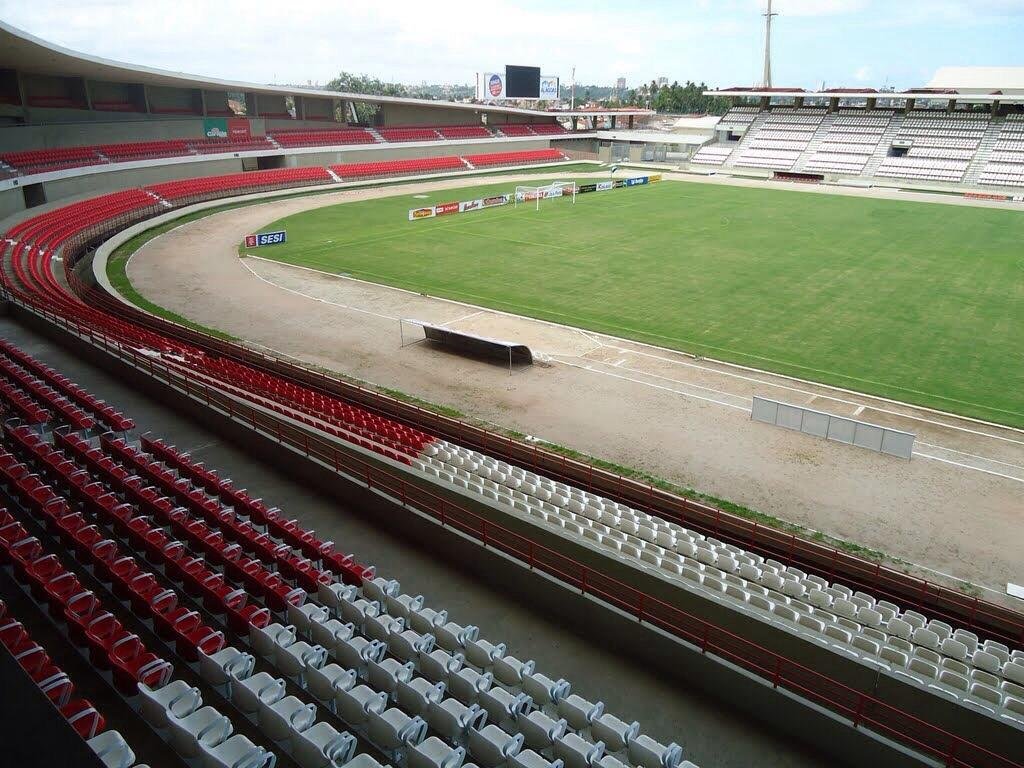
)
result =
(526, 194)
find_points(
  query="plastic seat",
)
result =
(645, 751)
(322, 746)
(177, 698)
(530, 759)
(615, 733)
(417, 695)
(539, 730)
(453, 719)
(578, 712)
(286, 717)
(355, 705)
(393, 730)
(357, 652)
(204, 727)
(238, 752)
(467, 684)
(577, 752)
(112, 750)
(510, 670)
(325, 682)
(296, 659)
(439, 664)
(434, 753)
(261, 687)
(332, 632)
(492, 747)
(226, 665)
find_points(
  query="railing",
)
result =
(859, 708)
(983, 617)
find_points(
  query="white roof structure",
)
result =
(22, 51)
(702, 123)
(1009, 80)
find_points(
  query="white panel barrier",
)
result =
(836, 428)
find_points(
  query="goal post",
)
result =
(527, 194)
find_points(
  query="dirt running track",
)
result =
(955, 509)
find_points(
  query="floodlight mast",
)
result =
(768, 16)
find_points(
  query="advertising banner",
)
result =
(490, 202)
(554, 192)
(654, 177)
(421, 213)
(226, 127)
(266, 238)
(548, 87)
(619, 183)
(491, 86)
(636, 180)
(444, 209)
(603, 185)
(580, 189)
(470, 205)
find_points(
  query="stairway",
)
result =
(748, 137)
(333, 175)
(376, 136)
(984, 151)
(812, 146)
(884, 144)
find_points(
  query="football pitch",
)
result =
(919, 302)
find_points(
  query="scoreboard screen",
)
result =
(522, 82)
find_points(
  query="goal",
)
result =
(548, 191)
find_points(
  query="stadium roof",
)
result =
(981, 79)
(978, 95)
(25, 52)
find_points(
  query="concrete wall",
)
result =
(11, 201)
(108, 182)
(399, 114)
(400, 152)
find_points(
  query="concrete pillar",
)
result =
(202, 101)
(575, 121)
(613, 122)
(631, 121)
(765, 101)
(951, 106)
(995, 107)
(833, 104)
(910, 104)
(872, 102)
(798, 101)
(145, 98)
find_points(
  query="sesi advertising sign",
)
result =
(266, 238)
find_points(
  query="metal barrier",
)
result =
(831, 427)
(861, 709)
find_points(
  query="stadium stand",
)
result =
(515, 158)
(354, 651)
(1005, 165)
(516, 129)
(338, 137)
(851, 140)
(464, 132)
(208, 187)
(782, 137)
(409, 134)
(397, 167)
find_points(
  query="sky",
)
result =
(837, 42)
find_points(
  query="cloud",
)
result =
(863, 74)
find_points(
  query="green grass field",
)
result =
(915, 301)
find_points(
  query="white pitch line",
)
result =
(972, 455)
(464, 317)
(777, 385)
(655, 386)
(968, 466)
(593, 335)
(315, 298)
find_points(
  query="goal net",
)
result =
(534, 195)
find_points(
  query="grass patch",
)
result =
(920, 302)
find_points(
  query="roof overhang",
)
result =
(28, 53)
(922, 95)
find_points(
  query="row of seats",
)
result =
(398, 167)
(44, 160)
(36, 662)
(833, 614)
(237, 183)
(923, 168)
(516, 158)
(1005, 166)
(394, 729)
(712, 154)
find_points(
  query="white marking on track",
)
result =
(464, 317)
(968, 466)
(315, 298)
